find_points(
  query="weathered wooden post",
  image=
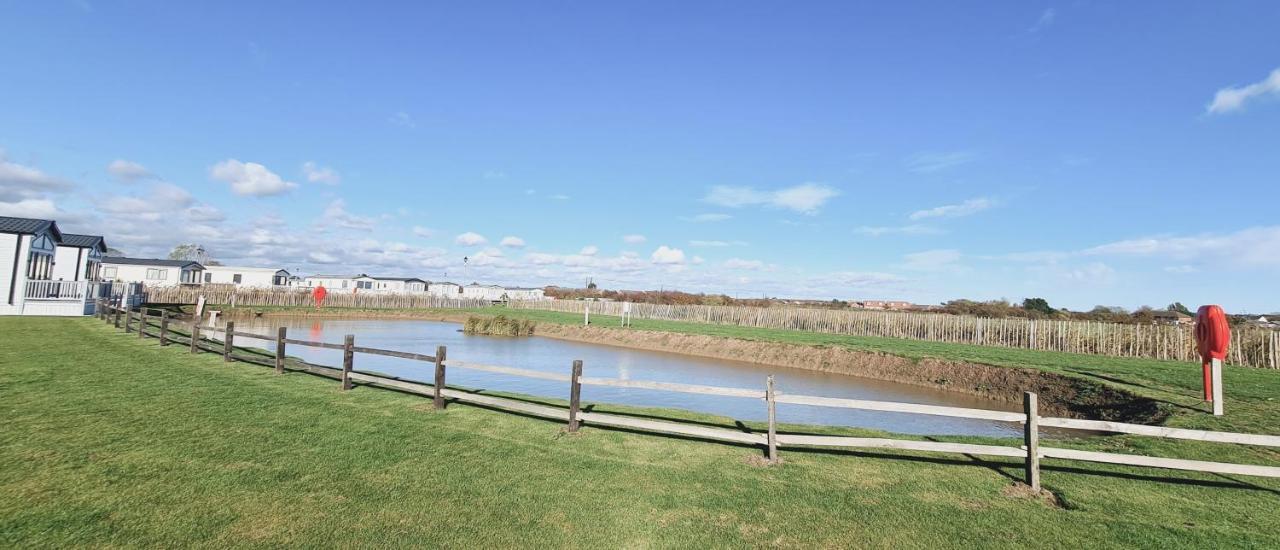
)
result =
(348, 360)
(1031, 438)
(228, 338)
(195, 336)
(773, 417)
(164, 328)
(142, 322)
(437, 398)
(280, 336)
(575, 395)
(128, 320)
(117, 310)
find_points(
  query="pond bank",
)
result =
(1059, 395)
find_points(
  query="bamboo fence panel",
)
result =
(228, 294)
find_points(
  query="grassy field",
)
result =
(113, 441)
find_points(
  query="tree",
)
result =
(190, 252)
(1178, 307)
(1038, 304)
(115, 252)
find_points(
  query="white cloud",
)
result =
(128, 171)
(1253, 247)
(589, 250)
(403, 119)
(205, 213)
(1046, 18)
(966, 208)
(924, 163)
(560, 197)
(716, 244)
(633, 239)
(18, 182)
(707, 218)
(932, 260)
(667, 255)
(470, 239)
(322, 257)
(423, 232)
(250, 178)
(29, 208)
(912, 229)
(320, 174)
(805, 198)
(1181, 269)
(1234, 99)
(337, 214)
(697, 260)
(738, 263)
(512, 242)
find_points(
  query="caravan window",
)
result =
(109, 272)
(235, 278)
(154, 274)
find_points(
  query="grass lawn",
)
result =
(110, 440)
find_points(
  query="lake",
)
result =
(552, 355)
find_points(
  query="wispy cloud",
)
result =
(337, 214)
(1233, 99)
(912, 229)
(128, 171)
(403, 119)
(633, 239)
(470, 238)
(966, 208)
(933, 260)
(806, 198)
(924, 163)
(320, 174)
(250, 178)
(1046, 18)
(707, 218)
(716, 244)
(512, 242)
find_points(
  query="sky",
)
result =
(1088, 152)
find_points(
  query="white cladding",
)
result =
(73, 263)
(246, 277)
(152, 275)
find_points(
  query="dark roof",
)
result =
(149, 261)
(84, 241)
(28, 226)
(405, 279)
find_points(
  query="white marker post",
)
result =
(1216, 367)
(586, 314)
(626, 314)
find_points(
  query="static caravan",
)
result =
(79, 257)
(246, 277)
(493, 293)
(29, 271)
(518, 293)
(339, 282)
(444, 289)
(152, 272)
(399, 285)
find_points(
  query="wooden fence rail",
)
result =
(1250, 346)
(771, 441)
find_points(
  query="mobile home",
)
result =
(152, 272)
(31, 280)
(246, 277)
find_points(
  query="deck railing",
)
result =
(59, 290)
(770, 440)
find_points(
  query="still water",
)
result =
(551, 355)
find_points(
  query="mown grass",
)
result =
(114, 441)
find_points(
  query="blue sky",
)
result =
(1118, 153)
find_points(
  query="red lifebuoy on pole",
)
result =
(318, 295)
(1213, 338)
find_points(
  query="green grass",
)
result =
(112, 441)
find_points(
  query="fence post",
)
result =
(1031, 438)
(773, 418)
(348, 360)
(575, 395)
(227, 341)
(128, 320)
(195, 335)
(164, 328)
(437, 398)
(142, 322)
(280, 336)
(117, 310)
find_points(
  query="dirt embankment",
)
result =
(1059, 395)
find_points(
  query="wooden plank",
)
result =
(1157, 462)
(309, 343)
(348, 360)
(893, 406)
(1161, 431)
(675, 387)
(512, 371)
(438, 394)
(772, 406)
(252, 335)
(702, 432)
(280, 336)
(575, 394)
(882, 443)
(392, 353)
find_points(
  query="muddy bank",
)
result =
(1059, 395)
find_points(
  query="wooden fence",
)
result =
(229, 294)
(770, 441)
(1250, 346)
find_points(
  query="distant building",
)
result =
(477, 291)
(1172, 318)
(444, 289)
(894, 305)
(152, 272)
(518, 293)
(363, 282)
(401, 285)
(44, 271)
(246, 277)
